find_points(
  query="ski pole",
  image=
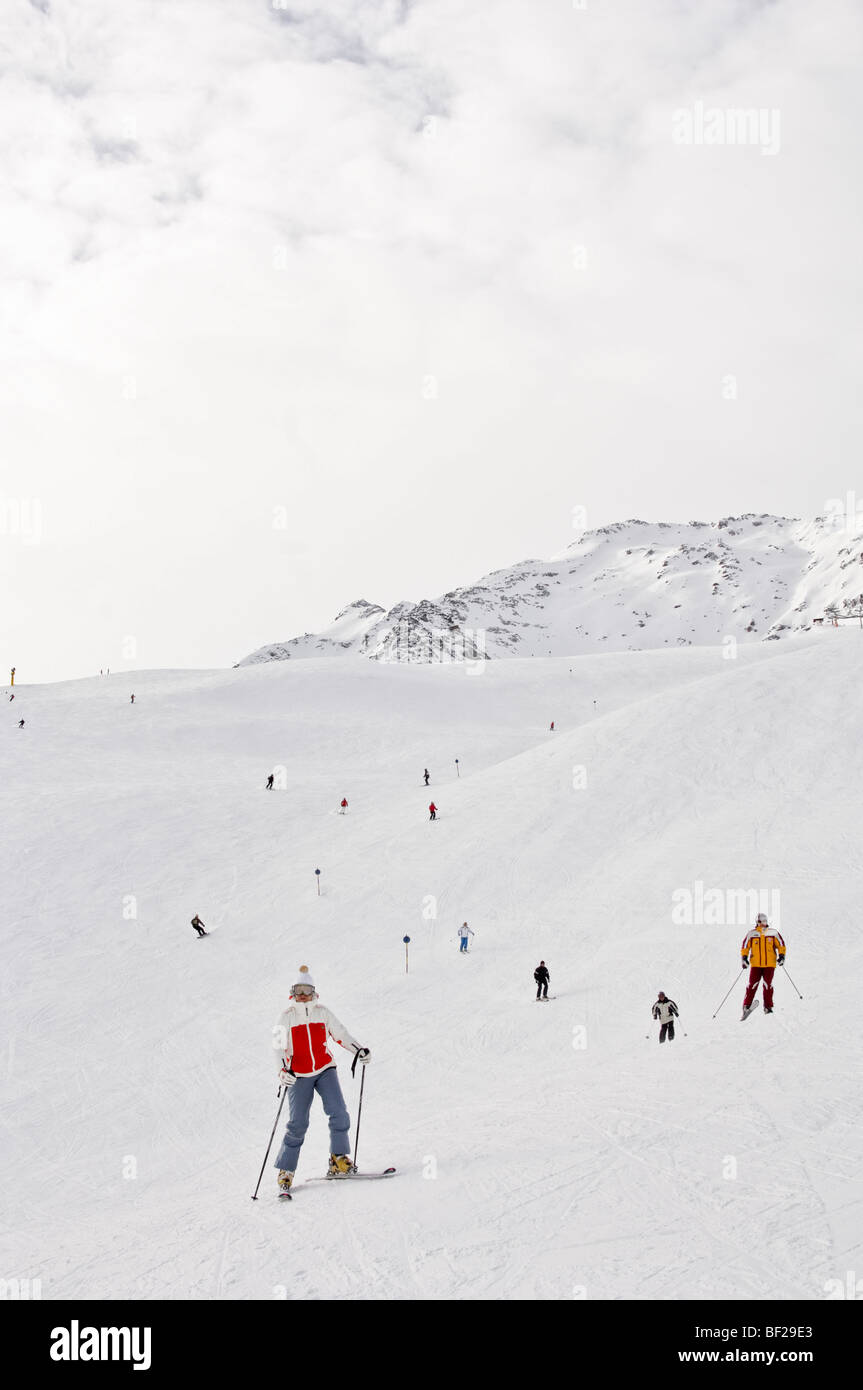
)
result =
(359, 1116)
(284, 1091)
(720, 1006)
(793, 986)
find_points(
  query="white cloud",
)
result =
(239, 243)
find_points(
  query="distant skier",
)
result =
(133, 699)
(12, 696)
(542, 978)
(464, 932)
(426, 776)
(551, 726)
(199, 926)
(344, 805)
(665, 1010)
(432, 811)
(20, 723)
(305, 1066)
(763, 949)
(270, 781)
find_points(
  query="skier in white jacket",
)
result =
(305, 1065)
(464, 932)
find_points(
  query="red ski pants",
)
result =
(756, 973)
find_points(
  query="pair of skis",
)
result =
(385, 1173)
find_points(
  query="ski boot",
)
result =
(340, 1166)
(766, 1010)
(285, 1180)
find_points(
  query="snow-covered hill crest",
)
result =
(629, 586)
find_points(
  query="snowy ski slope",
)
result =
(544, 1152)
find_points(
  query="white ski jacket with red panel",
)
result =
(300, 1039)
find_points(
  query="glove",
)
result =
(286, 1078)
(364, 1056)
(781, 960)
(744, 963)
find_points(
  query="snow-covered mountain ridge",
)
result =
(629, 586)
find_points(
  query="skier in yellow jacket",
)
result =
(762, 950)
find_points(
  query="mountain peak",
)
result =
(628, 585)
(361, 607)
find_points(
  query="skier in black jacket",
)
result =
(542, 978)
(665, 1010)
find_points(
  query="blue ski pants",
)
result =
(300, 1097)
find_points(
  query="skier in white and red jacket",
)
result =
(306, 1065)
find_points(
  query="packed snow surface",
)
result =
(544, 1151)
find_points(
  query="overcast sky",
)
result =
(307, 303)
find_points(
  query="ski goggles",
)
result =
(303, 992)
